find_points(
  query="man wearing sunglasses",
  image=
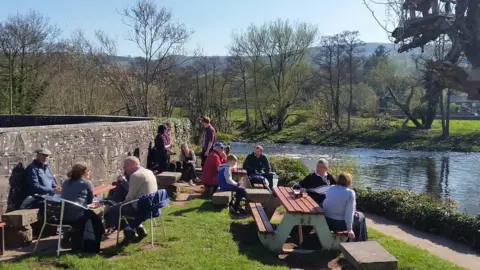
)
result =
(258, 168)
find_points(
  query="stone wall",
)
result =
(102, 145)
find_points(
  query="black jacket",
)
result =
(312, 181)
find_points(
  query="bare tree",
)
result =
(160, 40)
(27, 43)
(353, 47)
(238, 66)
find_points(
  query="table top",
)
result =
(297, 206)
(239, 171)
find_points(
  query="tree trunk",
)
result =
(247, 114)
(447, 120)
(442, 110)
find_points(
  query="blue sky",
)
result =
(212, 20)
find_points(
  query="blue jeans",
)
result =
(259, 178)
(359, 226)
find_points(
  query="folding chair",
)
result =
(53, 211)
(152, 221)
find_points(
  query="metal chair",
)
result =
(152, 221)
(53, 211)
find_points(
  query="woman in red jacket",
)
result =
(210, 168)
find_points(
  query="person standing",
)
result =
(208, 139)
(161, 149)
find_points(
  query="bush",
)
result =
(223, 137)
(423, 213)
(289, 170)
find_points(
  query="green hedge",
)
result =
(423, 213)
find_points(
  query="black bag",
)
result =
(18, 187)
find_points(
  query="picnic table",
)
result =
(238, 174)
(303, 211)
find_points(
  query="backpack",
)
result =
(18, 187)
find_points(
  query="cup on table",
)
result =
(296, 193)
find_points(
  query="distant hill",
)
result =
(401, 60)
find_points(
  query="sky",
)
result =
(212, 20)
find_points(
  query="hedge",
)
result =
(423, 213)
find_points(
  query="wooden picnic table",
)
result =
(238, 174)
(303, 211)
(102, 189)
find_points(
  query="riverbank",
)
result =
(366, 133)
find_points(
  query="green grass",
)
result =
(199, 237)
(299, 128)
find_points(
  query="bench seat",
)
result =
(259, 186)
(221, 197)
(263, 224)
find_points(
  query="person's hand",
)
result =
(57, 189)
(120, 178)
(205, 154)
(351, 235)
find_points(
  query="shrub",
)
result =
(421, 212)
(289, 170)
(223, 137)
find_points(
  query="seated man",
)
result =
(226, 182)
(210, 168)
(141, 182)
(39, 179)
(258, 168)
(318, 182)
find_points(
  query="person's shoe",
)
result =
(129, 237)
(191, 183)
(142, 233)
(197, 181)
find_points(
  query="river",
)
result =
(441, 174)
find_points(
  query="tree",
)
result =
(238, 65)
(353, 47)
(380, 54)
(27, 43)
(159, 38)
(331, 60)
(275, 50)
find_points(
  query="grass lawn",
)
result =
(464, 134)
(199, 237)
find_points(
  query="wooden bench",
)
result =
(368, 255)
(2, 238)
(259, 186)
(263, 224)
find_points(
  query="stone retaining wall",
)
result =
(102, 145)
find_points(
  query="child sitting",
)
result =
(225, 182)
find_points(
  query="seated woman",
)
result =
(187, 161)
(318, 182)
(340, 209)
(77, 189)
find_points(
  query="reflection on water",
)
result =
(440, 174)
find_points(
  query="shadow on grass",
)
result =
(245, 235)
(184, 211)
(208, 206)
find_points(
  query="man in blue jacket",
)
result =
(39, 177)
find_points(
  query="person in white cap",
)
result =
(39, 176)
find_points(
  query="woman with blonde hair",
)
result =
(340, 209)
(77, 189)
